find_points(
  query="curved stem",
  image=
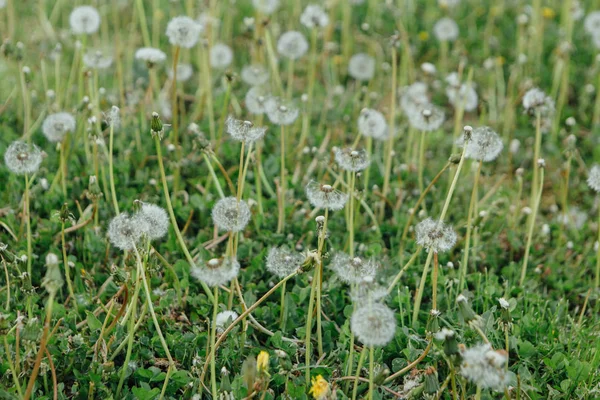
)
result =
(361, 360)
(474, 198)
(531, 226)
(12, 368)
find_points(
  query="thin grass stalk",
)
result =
(531, 227)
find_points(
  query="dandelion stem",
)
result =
(282, 314)
(361, 360)
(434, 280)
(7, 275)
(597, 281)
(111, 177)
(404, 268)
(213, 335)
(474, 199)
(419, 294)
(67, 269)
(308, 329)
(371, 377)
(531, 226)
(351, 213)
(282, 185)
(390, 142)
(130, 318)
(163, 177)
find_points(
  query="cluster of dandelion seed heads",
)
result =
(84, 20)
(22, 158)
(255, 74)
(485, 367)
(281, 261)
(593, 180)
(435, 235)
(427, 118)
(353, 270)
(292, 45)
(485, 144)
(314, 16)
(374, 324)
(281, 112)
(221, 56)
(361, 67)
(232, 215)
(224, 319)
(352, 160)
(183, 32)
(150, 55)
(372, 123)
(216, 271)
(57, 125)
(244, 131)
(325, 196)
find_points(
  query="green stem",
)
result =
(597, 282)
(419, 294)
(12, 368)
(531, 226)
(67, 269)
(28, 224)
(282, 309)
(474, 199)
(361, 360)
(130, 334)
(308, 329)
(163, 177)
(371, 377)
(351, 214)
(282, 185)
(111, 177)
(213, 335)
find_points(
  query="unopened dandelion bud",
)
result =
(465, 310)
(432, 384)
(93, 191)
(450, 344)
(455, 158)
(156, 126)
(541, 163)
(467, 132)
(53, 280)
(4, 324)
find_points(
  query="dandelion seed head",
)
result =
(113, 117)
(413, 97)
(231, 215)
(184, 72)
(591, 23)
(361, 67)
(352, 160)
(292, 45)
(353, 270)
(446, 29)
(183, 32)
(150, 55)
(373, 324)
(281, 261)
(125, 232)
(56, 126)
(22, 158)
(281, 112)
(216, 271)
(593, 180)
(325, 196)
(257, 100)
(266, 7)
(463, 95)
(428, 118)
(221, 56)
(485, 367)
(435, 235)
(367, 291)
(255, 74)
(314, 16)
(97, 59)
(224, 319)
(244, 131)
(155, 220)
(84, 20)
(535, 100)
(504, 303)
(485, 144)
(372, 123)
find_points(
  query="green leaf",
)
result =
(93, 323)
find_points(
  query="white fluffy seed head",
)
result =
(593, 180)
(97, 59)
(325, 196)
(435, 235)
(314, 16)
(485, 144)
(56, 126)
(244, 131)
(281, 112)
(535, 100)
(281, 261)
(292, 45)
(352, 160)
(446, 30)
(591, 23)
(372, 123)
(183, 32)
(221, 56)
(216, 271)
(184, 72)
(485, 367)
(374, 324)
(413, 97)
(154, 219)
(361, 67)
(230, 215)
(427, 118)
(266, 7)
(125, 232)
(353, 270)
(150, 56)
(22, 158)
(257, 100)
(255, 74)
(224, 319)
(84, 20)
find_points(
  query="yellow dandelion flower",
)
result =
(262, 361)
(423, 36)
(548, 13)
(319, 388)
